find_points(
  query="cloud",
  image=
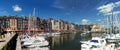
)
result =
(3, 12)
(57, 4)
(67, 5)
(109, 7)
(114, 13)
(68, 13)
(77, 23)
(99, 20)
(106, 8)
(17, 8)
(85, 21)
(117, 3)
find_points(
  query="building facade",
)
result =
(95, 28)
(85, 28)
(34, 23)
(4, 23)
(19, 23)
(13, 23)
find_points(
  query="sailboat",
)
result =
(114, 29)
(34, 40)
(110, 41)
(39, 48)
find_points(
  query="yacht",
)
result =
(34, 41)
(97, 43)
(39, 48)
(56, 33)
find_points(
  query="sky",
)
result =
(75, 11)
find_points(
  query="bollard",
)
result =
(3, 35)
(0, 36)
(6, 36)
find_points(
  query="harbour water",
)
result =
(66, 41)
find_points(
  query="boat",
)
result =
(85, 47)
(56, 33)
(39, 48)
(39, 42)
(97, 43)
(35, 42)
(91, 46)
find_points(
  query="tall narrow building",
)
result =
(13, 23)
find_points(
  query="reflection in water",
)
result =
(68, 41)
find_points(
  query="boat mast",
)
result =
(118, 24)
(29, 24)
(116, 27)
(112, 23)
(34, 12)
(34, 20)
(105, 15)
